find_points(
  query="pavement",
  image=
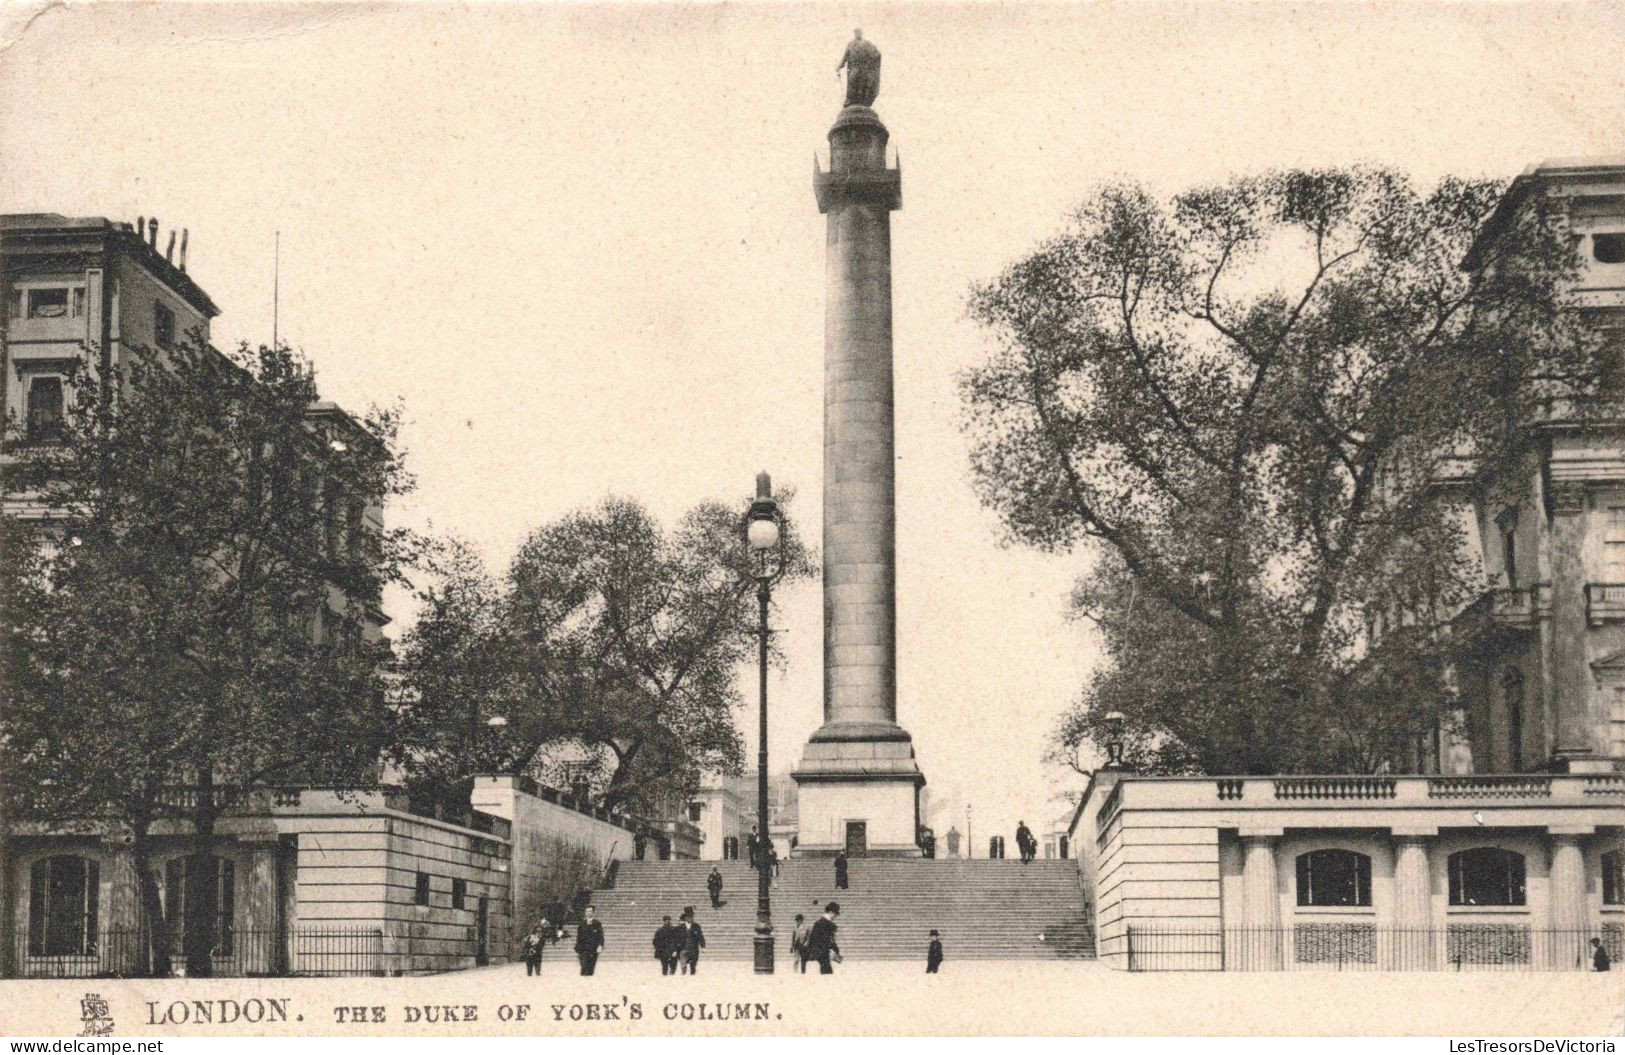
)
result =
(969, 998)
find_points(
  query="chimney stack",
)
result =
(141, 228)
(169, 250)
(152, 233)
(183, 250)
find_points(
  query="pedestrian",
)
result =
(773, 861)
(533, 951)
(665, 943)
(840, 870)
(821, 944)
(933, 954)
(713, 883)
(1024, 841)
(755, 845)
(640, 845)
(1599, 956)
(693, 942)
(798, 943)
(589, 940)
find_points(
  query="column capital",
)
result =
(1264, 836)
(1569, 833)
(1418, 836)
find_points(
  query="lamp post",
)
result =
(764, 540)
(970, 843)
(1114, 740)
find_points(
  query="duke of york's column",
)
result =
(858, 782)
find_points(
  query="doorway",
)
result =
(857, 838)
(482, 934)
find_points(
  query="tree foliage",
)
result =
(1243, 397)
(189, 626)
(609, 634)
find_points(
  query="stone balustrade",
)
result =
(1356, 792)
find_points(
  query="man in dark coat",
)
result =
(533, 951)
(666, 941)
(840, 871)
(589, 940)
(693, 942)
(933, 954)
(713, 883)
(1600, 960)
(821, 939)
(798, 943)
(1024, 841)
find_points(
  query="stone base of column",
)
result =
(846, 778)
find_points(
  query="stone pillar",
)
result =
(859, 767)
(260, 917)
(1257, 947)
(1567, 893)
(1412, 946)
(122, 951)
(1567, 684)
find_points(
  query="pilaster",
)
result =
(1259, 946)
(1567, 687)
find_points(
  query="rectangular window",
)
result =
(1616, 726)
(78, 302)
(163, 325)
(421, 894)
(45, 399)
(1509, 554)
(48, 303)
(1613, 544)
(222, 871)
(459, 891)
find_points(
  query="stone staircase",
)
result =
(987, 910)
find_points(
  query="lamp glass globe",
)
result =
(763, 534)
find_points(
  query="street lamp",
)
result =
(764, 541)
(1114, 739)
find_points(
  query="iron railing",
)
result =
(1336, 946)
(241, 953)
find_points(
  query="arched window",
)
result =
(1334, 878)
(62, 906)
(223, 873)
(1486, 875)
(1613, 878)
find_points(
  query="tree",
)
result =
(1243, 397)
(610, 634)
(193, 628)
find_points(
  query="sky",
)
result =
(578, 245)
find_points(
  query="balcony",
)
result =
(1605, 602)
(1502, 608)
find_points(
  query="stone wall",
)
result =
(557, 850)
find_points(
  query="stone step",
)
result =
(984, 909)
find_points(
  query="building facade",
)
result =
(311, 881)
(1542, 652)
(1505, 850)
